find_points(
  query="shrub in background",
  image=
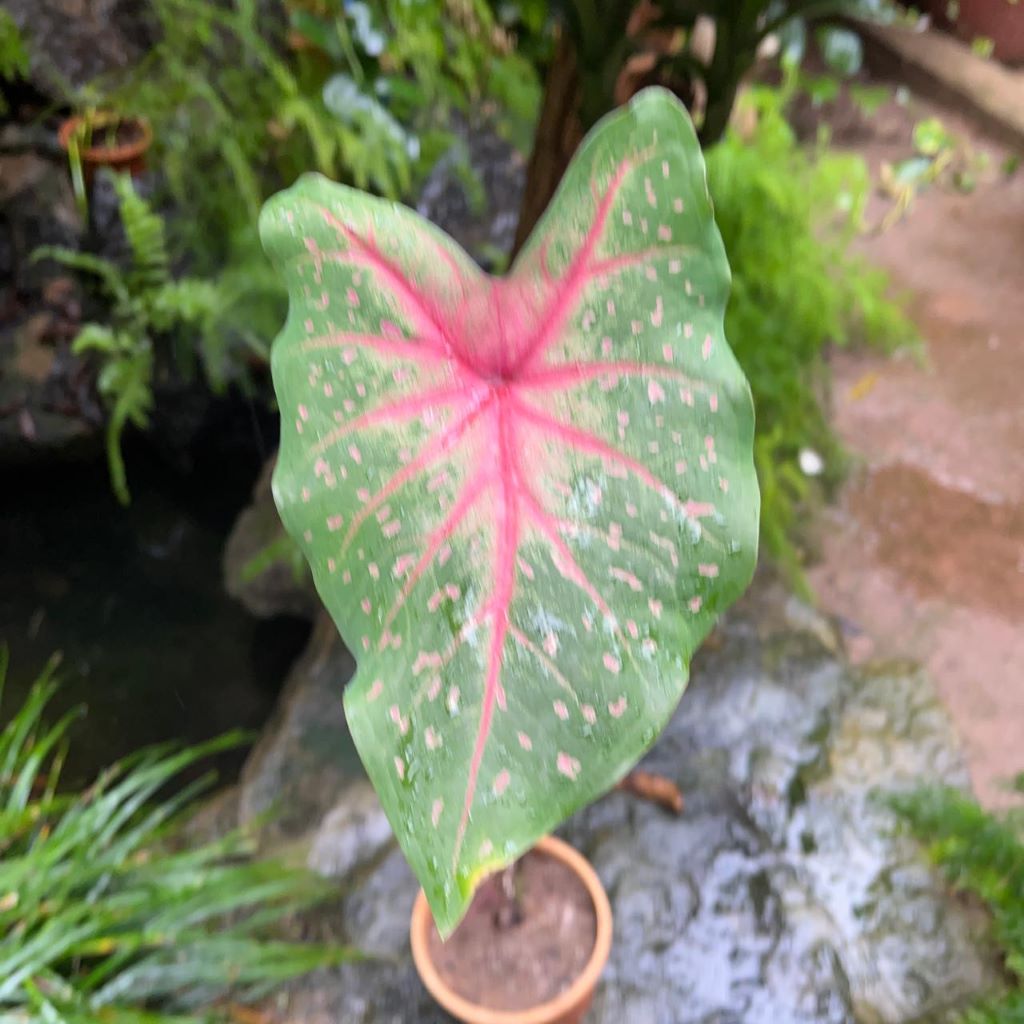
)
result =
(103, 918)
(981, 853)
(789, 216)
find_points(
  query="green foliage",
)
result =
(788, 217)
(148, 308)
(981, 853)
(503, 543)
(365, 98)
(13, 54)
(603, 43)
(104, 917)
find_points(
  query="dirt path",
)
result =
(923, 556)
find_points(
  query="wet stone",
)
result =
(305, 760)
(266, 587)
(784, 893)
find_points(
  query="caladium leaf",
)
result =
(524, 500)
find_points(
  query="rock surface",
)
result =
(784, 892)
(266, 586)
(305, 760)
(71, 42)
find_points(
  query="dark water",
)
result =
(133, 599)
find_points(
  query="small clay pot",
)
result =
(127, 156)
(567, 1008)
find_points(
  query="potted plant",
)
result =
(525, 500)
(104, 138)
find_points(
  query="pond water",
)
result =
(133, 598)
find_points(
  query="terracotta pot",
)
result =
(1002, 21)
(128, 156)
(572, 1004)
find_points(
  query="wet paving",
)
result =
(923, 556)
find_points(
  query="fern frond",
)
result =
(145, 232)
(109, 273)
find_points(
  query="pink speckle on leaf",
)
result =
(357, 455)
(624, 576)
(436, 810)
(501, 782)
(695, 604)
(705, 350)
(589, 714)
(561, 710)
(551, 645)
(334, 523)
(366, 605)
(400, 768)
(396, 716)
(664, 233)
(698, 509)
(426, 659)
(525, 742)
(617, 708)
(655, 392)
(612, 663)
(376, 689)
(655, 607)
(432, 738)
(567, 765)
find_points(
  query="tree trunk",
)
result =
(559, 132)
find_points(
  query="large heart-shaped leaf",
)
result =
(524, 500)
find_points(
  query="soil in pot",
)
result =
(515, 966)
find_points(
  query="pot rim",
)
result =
(107, 154)
(543, 1013)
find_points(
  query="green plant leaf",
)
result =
(842, 50)
(525, 500)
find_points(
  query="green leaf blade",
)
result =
(524, 500)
